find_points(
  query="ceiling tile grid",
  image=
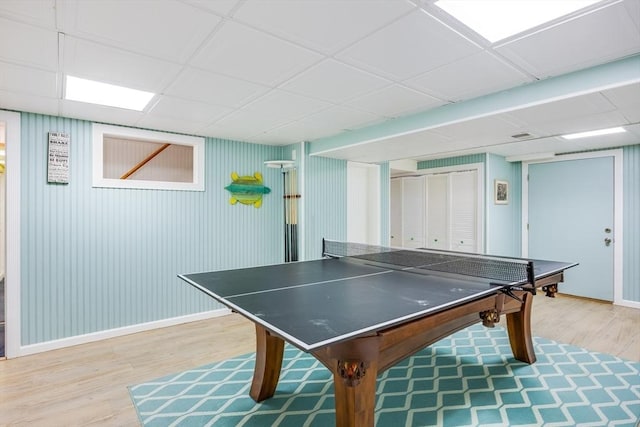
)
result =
(408, 47)
(590, 39)
(281, 71)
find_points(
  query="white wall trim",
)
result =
(117, 332)
(99, 131)
(12, 224)
(618, 220)
(628, 303)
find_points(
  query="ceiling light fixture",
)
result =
(594, 133)
(94, 92)
(498, 19)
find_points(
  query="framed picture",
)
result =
(501, 192)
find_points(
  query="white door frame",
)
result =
(617, 155)
(12, 224)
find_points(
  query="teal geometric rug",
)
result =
(468, 379)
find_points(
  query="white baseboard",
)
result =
(117, 332)
(627, 303)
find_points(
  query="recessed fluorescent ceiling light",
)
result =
(594, 133)
(93, 92)
(498, 19)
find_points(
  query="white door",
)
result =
(413, 212)
(395, 198)
(570, 217)
(464, 203)
(437, 212)
(363, 203)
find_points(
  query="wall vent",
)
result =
(522, 135)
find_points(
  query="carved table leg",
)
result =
(355, 400)
(354, 365)
(519, 328)
(551, 290)
(269, 353)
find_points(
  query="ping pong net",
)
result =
(509, 273)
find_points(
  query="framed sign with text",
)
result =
(58, 163)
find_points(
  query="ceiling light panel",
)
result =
(93, 92)
(498, 19)
(598, 132)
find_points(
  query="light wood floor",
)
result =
(87, 384)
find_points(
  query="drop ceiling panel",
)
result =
(281, 71)
(402, 147)
(611, 141)
(167, 30)
(187, 110)
(624, 96)
(37, 12)
(326, 26)
(490, 126)
(543, 145)
(582, 124)
(270, 111)
(564, 109)
(17, 78)
(334, 82)
(28, 45)
(215, 88)
(86, 111)
(627, 100)
(95, 61)
(21, 101)
(454, 82)
(409, 46)
(285, 135)
(395, 101)
(334, 120)
(171, 125)
(239, 51)
(591, 39)
(219, 7)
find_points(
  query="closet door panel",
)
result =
(413, 212)
(396, 212)
(437, 212)
(464, 233)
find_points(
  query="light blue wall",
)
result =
(503, 233)
(94, 259)
(325, 202)
(631, 223)
(452, 161)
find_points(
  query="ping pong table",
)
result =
(361, 309)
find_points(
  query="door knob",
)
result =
(607, 241)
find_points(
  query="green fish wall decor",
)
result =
(247, 190)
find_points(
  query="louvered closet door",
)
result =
(413, 195)
(437, 212)
(464, 202)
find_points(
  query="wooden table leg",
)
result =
(354, 365)
(355, 403)
(519, 328)
(269, 353)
